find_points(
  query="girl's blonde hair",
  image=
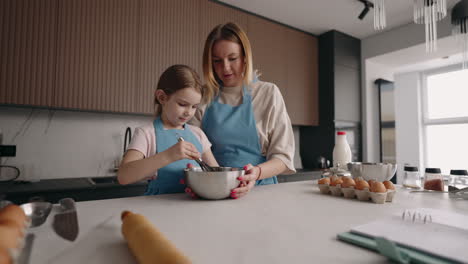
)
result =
(175, 78)
(230, 32)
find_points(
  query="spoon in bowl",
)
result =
(204, 166)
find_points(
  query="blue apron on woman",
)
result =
(168, 179)
(233, 134)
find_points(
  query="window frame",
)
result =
(426, 121)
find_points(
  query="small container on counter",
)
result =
(433, 179)
(411, 179)
(458, 180)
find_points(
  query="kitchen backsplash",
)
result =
(64, 144)
(55, 144)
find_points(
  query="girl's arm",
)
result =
(135, 167)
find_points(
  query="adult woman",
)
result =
(245, 118)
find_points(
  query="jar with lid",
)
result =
(411, 179)
(433, 179)
(458, 180)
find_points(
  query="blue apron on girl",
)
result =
(168, 180)
(233, 133)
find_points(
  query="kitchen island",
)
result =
(282, 223)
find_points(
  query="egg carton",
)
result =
(361, 195)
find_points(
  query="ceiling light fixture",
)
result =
(380, 21)
(428, 12)
(460, 30)
(379, 12)
(367, 6)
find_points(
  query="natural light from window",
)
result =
(446, 121)
(446, 147)
(447, 94)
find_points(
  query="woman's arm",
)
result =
(264, 170)
(134, 167)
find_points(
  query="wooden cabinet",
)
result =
(28, 30)
(269, 50)
(97, 55)
(288, 58)
(169, 35)
(302, 78)
(213, 14)
(107, 55)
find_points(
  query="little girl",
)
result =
(155, 151)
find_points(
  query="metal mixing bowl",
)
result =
(37, 212)
(372, 171)
(213, 185)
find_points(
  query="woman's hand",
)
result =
(247, 181)
(183, 150)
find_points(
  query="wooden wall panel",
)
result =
(213, 14)
(27, 51)
(268, 41)
(97, 55)
(169, 35)
(107, 55)
(302, 78)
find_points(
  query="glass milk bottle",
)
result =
(341, 151)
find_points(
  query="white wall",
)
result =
(409, 137)
(391, 41)
(64, 144)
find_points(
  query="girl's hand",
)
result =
(183, 150)
(247, 181)
(188, 190)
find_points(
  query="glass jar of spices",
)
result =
(458, 180)
(411, 179)
(433, 179)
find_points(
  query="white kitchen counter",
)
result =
(282, 223)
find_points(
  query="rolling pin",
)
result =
(147, 243)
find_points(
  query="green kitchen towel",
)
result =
(389, 249)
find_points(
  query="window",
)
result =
(445, 119)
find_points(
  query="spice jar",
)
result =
(458, 180)
(433, 180)
(411, 178)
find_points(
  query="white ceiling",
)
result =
(319, 16)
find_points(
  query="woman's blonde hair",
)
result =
(175, 78)
(230, 32)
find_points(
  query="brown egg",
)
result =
(348, 182)
(13, 224)
(13, 212)
(9, 237)
(333, 178)
(389, 185)
(336, 182)
(361, 185)
(370, 182)
(325, 180)
(5, 257)
(378, 187)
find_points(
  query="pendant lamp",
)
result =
(428, 12)
(460, 30)
(379, 15)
